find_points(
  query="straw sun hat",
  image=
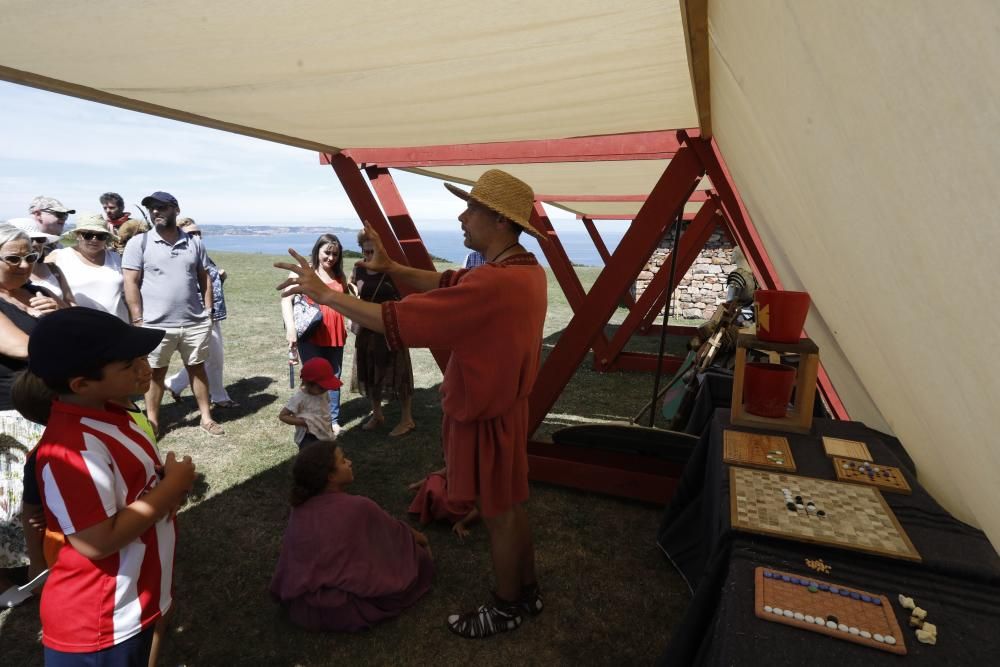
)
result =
(502, 193)
(89, 222)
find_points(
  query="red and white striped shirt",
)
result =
(91, 465)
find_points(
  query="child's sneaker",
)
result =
(490, 619)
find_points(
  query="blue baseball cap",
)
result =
(162, 197)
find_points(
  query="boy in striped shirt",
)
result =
(105, 487)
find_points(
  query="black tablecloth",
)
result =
(958, 581)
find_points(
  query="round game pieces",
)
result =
(799, 616)
(879, 638)
(842, 627)
(809, 618)
(819, 621)
(768, 608)
(813, 588)
(889, 639)
(777, 610)
(865, 634)
(853, 630)
(789, 613)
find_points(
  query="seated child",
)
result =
(432, 503)
(345, 564)
(104, 486)
(308, 410)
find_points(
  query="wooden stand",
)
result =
(799, 417)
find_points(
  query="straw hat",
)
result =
(502, 193)
(89, 222)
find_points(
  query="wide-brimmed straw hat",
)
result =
(504, 194)
(90, 222)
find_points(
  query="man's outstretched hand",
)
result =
(305, 281)
(380, 261)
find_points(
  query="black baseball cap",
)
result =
(73, 342)
(162, 197)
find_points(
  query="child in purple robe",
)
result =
(345, 564)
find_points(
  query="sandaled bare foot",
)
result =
(212, 428)
(402, 429)
(373, 423)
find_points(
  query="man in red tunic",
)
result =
(490, 320)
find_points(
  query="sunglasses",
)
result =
(198, 234)
(40, 240)
(90, 236)
(15, 260)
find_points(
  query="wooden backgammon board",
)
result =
(837, 611)
(885, 478)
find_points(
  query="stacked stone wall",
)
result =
(703, 287)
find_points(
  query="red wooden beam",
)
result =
(563, 269)
(399, 218)
(602, 250)
(368, 209)
(658, 145)
(692, 241)
(580, 216)
(739, 224)
(668, 196)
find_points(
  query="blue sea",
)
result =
(442, 243)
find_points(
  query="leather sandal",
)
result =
(402, 429)
(213, 428)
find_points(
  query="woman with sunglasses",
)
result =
(21, 305)
(93, 271)
(46, 275)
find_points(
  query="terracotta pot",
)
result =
(767, 388)
(780, 314)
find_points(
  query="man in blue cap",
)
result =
(167, 286)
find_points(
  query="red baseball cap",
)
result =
(320, 371)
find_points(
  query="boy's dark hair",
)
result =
(60, 385)
(311, 470)
(32, 397)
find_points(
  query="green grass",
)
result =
(611, 597)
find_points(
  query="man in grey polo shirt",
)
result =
(168, 287)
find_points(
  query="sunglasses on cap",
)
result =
(90, 236)
(15, 260)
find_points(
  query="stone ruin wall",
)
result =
(703, 287)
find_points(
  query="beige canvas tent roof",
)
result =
(859, 134)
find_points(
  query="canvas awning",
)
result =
(859, 135)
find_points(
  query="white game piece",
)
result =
(866, 634)
(819, 621)
(831, 625)
(853, 630)
(905, 602)
(777, 610)
(799, 616)
(889, 639)
(919, 613)
(842, 627)
(930, 627)
(877, 637)
(809, 618)
(768, 608)
(925, 637)
(789, 613)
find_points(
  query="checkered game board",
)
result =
(849, 516)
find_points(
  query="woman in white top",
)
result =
(45, 275)
(93, 271)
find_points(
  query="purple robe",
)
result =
(346, 564)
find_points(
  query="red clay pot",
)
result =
(780, 314)
(767, 388)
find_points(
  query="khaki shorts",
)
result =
(191, 342)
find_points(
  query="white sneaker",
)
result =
(336, 428)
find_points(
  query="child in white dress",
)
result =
(308, 410)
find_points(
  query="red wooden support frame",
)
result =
(399, 218)
(671, 192)
(652, 300)
(656, 145)
(742, 227)
(368, 209)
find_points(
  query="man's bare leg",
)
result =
(527, 559)
(507, 552)
(154, 396)
(199, 387)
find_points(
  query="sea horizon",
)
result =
(444, 243)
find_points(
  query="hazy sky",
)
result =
(75, 150)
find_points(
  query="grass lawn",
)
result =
(610, 595)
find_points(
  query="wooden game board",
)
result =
(854, 516)
(887, 478)
(851, 449)
(856, 612)
(754, 449)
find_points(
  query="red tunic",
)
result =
(491, 320)
(331, 333)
